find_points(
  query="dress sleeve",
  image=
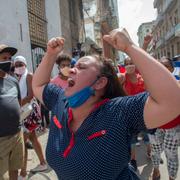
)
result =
(51, 94)
(135, 112)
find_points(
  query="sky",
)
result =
(132, 13)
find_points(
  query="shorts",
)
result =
(11, 153)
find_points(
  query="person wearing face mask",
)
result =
(64, 64)
(31, 123)
(133, 82)
(11, 138)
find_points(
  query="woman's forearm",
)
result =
(43, 72)
(42, 75)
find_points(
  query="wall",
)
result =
(54, 22)
(14, 28)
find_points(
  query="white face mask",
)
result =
(65, 71)
(130, 69)
(20, 70)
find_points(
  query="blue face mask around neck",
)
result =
(81, 96)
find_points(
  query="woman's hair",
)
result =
(63, 57)
(113, 88)
(167, 59)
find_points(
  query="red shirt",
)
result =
(171, 124)
(134, 88)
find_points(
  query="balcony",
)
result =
(169, 4)
(159, 43)
(177, 30)
(170, 34)
(159, 19)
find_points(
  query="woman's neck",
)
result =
(81, 113)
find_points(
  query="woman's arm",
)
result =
(163, 104)
(29, 97)
(43, 72)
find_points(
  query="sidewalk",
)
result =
(144, 164)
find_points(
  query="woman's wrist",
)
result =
(50, 57)
(129, 48)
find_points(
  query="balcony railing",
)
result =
(170, 34)
(177, 30)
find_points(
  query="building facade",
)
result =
(31, 23)
(108, 13)
(14, 27)
(93, 40)
(100, 17)
(72, 25)
(166, 31)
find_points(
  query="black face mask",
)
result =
(5, 66)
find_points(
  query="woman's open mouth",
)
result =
(71, 82)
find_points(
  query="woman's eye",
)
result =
(80, 67)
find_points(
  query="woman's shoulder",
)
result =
(128, 101)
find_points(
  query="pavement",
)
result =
(144, 164)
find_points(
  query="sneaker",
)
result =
(22, 178)
(133, 163)
(39, 168)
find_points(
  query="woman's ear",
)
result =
(101, 83)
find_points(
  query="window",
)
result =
(178, 47)
(164, 52)
(171, 21)
(176, 17)
(172, 50)
(72, 10)
(37, 22)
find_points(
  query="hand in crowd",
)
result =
(119, 39)
(55, 45)
(147, 40)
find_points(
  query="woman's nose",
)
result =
(72, 70)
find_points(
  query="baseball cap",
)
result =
(8, 49)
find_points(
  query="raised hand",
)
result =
(55, 45)
(119, 39)
(147, 39)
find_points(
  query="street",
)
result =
(144, 165)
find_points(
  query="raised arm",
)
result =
(163, 104)
(147, 40)
(42, 74)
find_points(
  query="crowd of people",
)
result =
(96, 112)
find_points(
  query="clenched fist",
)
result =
(119, 39)
(55, 45)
